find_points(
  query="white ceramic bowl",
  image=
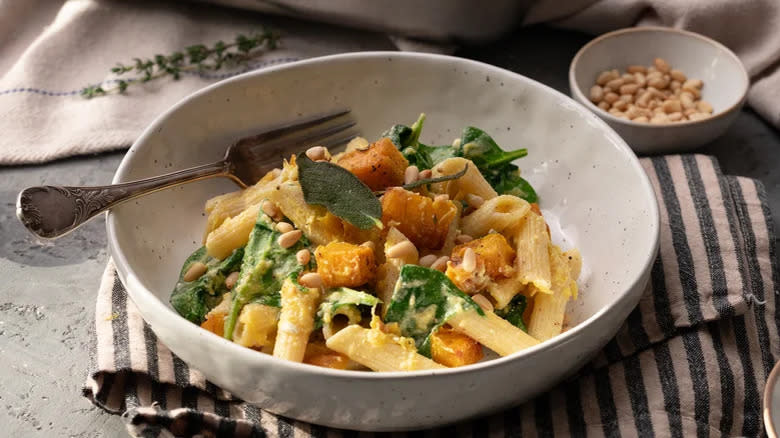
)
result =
(593, 192)
(725, 82)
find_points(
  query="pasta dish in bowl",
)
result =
(392, 267)
(431, 261)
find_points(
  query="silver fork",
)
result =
(52, 211)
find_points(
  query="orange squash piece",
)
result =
(322, 356)
(345, 264)
(495, 259)
(380, 166)
(453, 349)
(421, 219)
(215, 323)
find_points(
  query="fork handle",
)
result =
(52, 211)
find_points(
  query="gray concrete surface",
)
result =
(47, 292)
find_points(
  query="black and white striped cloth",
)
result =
(691, 359)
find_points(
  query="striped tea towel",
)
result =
(691, 359)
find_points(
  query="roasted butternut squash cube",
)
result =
(421, 219)
(319, 355)
(494, 259)
(345, 264)
(379, 166)
(215, 323)
(453, 349)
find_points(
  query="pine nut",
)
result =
(629, 89)
(620, 105)
(611, 98)
(474, 200)
(659, 83)
(231, 280)
(604, 77)
(641, 119)
(317, 153)
(627, 98)
(440, 264)
(469, 262)
(675, 117)
(411, 174)
(628, 78)
(426, 174)
(289, 238)
(675, 85)
(405, 249)
(270, 209)
(615, 83)
(677, 75)
(284, 227)
(596, 94)
(704, 106)
(644, 99)
(632, 112)
(640, 79)
(483, 302)
(441, 198)
(427, 261)
(636, 69)
(672, 106)
(693, 83)
(661, 65)
(311, 280)
(698, 116)
(693, 91)
(463, 238)
(195, 271)
(604, 105)
(690, 111)
(303, 256)
(659, 118)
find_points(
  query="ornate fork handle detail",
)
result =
(52, 211)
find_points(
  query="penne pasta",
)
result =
(492, 331)
(388, 272)
(232, 233)
(499, 214)
(549, 309)
(256, 325)
(471, 183)
(378, 350)
(533, 252)
(296, 321)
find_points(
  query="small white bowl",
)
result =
(725, 83)
(593, 191)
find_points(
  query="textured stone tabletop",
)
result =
(47, 292)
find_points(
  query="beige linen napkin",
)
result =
(690, 360)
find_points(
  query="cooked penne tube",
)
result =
(223, 207)
(232, 233)
(504, 289)
(533, 252)
(492, 331)
(256, 325)
(549, 309)
(296, 321)
(498, 214)
(378, 350)
(471, 183)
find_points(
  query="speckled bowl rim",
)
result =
(647, 29)
(134, 286)
(771, 382)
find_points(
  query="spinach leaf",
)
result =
(341, 192)
(343, 297)
(513, 312)
(479, 147)
(423, 300)
(403, 136)
(506, 180)
(194, 299)
(264, 267)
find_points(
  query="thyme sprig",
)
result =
(198, 57)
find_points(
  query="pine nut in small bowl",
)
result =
(662, 89)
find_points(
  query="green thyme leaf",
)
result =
(341, 192)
